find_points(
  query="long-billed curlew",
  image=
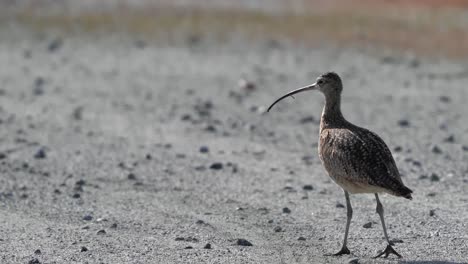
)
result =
(355, 158)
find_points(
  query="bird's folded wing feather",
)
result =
(363, 156)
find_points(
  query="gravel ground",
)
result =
(119, 150)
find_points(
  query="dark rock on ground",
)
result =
(339, 205)
(34, 261)
(243, 242)
(55, 45)
(204, 149)
(87, 218)
(216, 166)
(435, 177)
(436, 150)
(207, 246)
(40, 154)
(403, 123)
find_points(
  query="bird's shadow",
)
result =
(431, 262)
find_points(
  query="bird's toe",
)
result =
(388, 250)
(344, 251)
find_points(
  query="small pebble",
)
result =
(101, 232)
(54, 45)
(80, 182)
(148, 157)
(403, 123)
(398, 149)
(181, 156)
(450, 139)
(435, 177)
(353, 261)
(204, 149)
(188, 247)
(78, 113)
(423, 177)
(186, 117)
(84, 249)
(367, 225)
(432, 212)
(243, 242)
(131, 176)
(246, 85)
(301, 238)
(465, 147)
(179, 239)
(216, 166)
(76, 195)
(339, 205)
(278, 229)
(436, 150)
(38, 86)
(307, 119)
(114, 226)
(40, 154)
(168, 146)
(286, 210)
(37, 252)
(207, 246)
(87, 218)
(34, 261)
(210, 128)
(2, 155)
(307, 187)
(444, 99)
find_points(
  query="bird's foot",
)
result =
(344, 251)
(388, 250)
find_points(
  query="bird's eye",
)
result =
(320, 82)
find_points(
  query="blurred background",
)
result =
(429, 27)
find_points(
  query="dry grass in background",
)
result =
(427, 27)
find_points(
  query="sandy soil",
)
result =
(120, 150)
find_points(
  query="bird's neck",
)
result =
(331, 114)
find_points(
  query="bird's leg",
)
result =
(389, 249)
(349, 214)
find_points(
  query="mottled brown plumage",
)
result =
(355, 158)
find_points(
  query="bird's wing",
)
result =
(362, 156)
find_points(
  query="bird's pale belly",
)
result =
(355, 187)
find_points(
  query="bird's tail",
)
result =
(405, 192)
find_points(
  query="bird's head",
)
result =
(328, 83)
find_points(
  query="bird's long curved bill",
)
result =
(307, 88)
